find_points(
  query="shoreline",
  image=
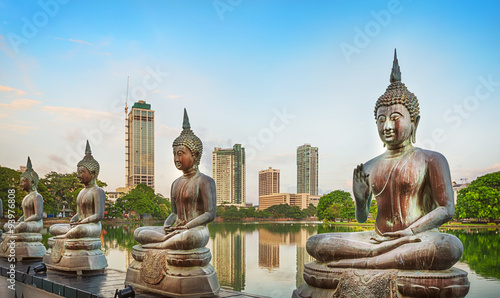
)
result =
(453, 225)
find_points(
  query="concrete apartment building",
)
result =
(307, 169)
(228, 171)
(269, 181)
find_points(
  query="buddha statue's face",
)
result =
(84, 175)
(394, 125)
(183, 158)
(25, 184)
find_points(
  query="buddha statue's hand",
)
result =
(400, 233)
(361, 184)
(169, 229)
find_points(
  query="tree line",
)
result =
(276, 211)
(61, 190)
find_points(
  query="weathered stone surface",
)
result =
(323, 281)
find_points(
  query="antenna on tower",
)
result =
(127, 147)
(126, 99)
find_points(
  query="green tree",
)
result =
(10, 179)
(263, 214)
(142, 200)
(480, 199)
(247, 212)
(231, 213)
(337, 204)
(311, 210)
(279, 211)
(295, 213)
(374, 209)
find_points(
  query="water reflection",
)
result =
(268, 258)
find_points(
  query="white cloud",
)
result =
(10, 89)
(20, 104)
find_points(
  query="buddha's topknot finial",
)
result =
(89, 162)
(30, 174)
(189, 139)
(185, 122)
(397, 93)
(395, 73)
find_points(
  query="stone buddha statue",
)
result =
(175, 253)
(26, 231)
(76, 246)
(413, 191)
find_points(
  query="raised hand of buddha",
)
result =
(361, 184)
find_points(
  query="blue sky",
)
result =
(271, 75)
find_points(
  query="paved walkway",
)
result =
(95, 285)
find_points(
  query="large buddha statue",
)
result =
(175, 253)
(413, 191)
(26, 231)
(80, 237)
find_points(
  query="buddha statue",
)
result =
(80, 237)
(413, 191)
(26, 231)
(90, 202)
(175, 253)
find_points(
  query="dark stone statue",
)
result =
(76, 246)
(175, 253)
(26, 231)
(413, 191)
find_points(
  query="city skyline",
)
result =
(266, 75)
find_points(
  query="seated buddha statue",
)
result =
(32, 205)
(26, 231)
(86, 223)
(193, 200)
(413, 191)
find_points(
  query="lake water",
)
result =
(267, 258)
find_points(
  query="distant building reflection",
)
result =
(269, 249)
(228, 259)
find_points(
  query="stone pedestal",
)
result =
(25, 245)
(173, 273)
(76, 255)
(322, 281)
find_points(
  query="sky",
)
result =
(270, 75)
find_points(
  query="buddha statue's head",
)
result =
(29, 176)
(90, 164)
(190, 141)
(397, 111)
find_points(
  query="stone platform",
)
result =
(56, 284)
(27, 246)
(323, 281)
(173, 273)
(76, 255)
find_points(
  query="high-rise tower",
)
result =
(140, 150)
(307, 169)
(269, 181)
(228, 171)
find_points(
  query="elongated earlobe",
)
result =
(414, 126)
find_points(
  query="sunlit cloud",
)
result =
(100, 53)
(80, 41)
(16, 128)
(10, 89)
(3, 116)
(72, 40)
(72, 113)
(164, 131)
(20, 104)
